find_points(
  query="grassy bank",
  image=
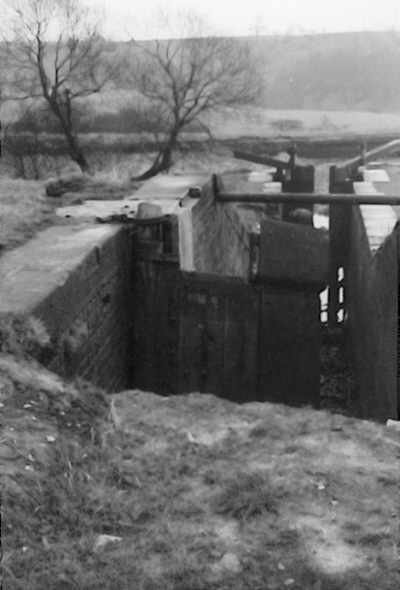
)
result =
(24, 210)
(189, 492)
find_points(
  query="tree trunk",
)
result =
(76, 153)
(163, 162)
(74, 149)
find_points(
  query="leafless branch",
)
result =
(62, 71)
(186, 78)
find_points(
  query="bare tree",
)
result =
(23, 149)
(55, 53)
(182, 80)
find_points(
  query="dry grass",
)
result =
(24, 209)
(199, 493)
(246, 495)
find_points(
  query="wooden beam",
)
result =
(382, 150)
(265, 160)
(350, 199)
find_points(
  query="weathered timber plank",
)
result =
(192, 328)
(240, 346)
(291, 252)
(215, 283)
(306, 198)
(219, 331)
(233, 362)
(213, 345)
(266, 160)
(288, 361)
(166, 322)
(145, 281)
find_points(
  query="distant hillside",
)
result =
(343, 71)
(333, 72)
(325, 72)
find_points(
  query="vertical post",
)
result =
(254, 242)
(363, 152)
(292, 159)
(302, 180)
(339, 233)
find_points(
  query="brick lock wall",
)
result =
(77, 280)
(371, 296)
(93, 338)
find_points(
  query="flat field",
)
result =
(300, 123)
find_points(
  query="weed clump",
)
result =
(22, 336)
(246, 495)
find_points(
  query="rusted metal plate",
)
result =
(292, 253)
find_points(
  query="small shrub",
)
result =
(22, 335)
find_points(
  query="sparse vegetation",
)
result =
(246, 495)
(24, 210)
(185, 492)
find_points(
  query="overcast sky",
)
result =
(127, 18)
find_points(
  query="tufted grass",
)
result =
(184, 485)
(24, 210)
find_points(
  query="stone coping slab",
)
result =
(104, 210)
(170, 187)
(30, 273)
